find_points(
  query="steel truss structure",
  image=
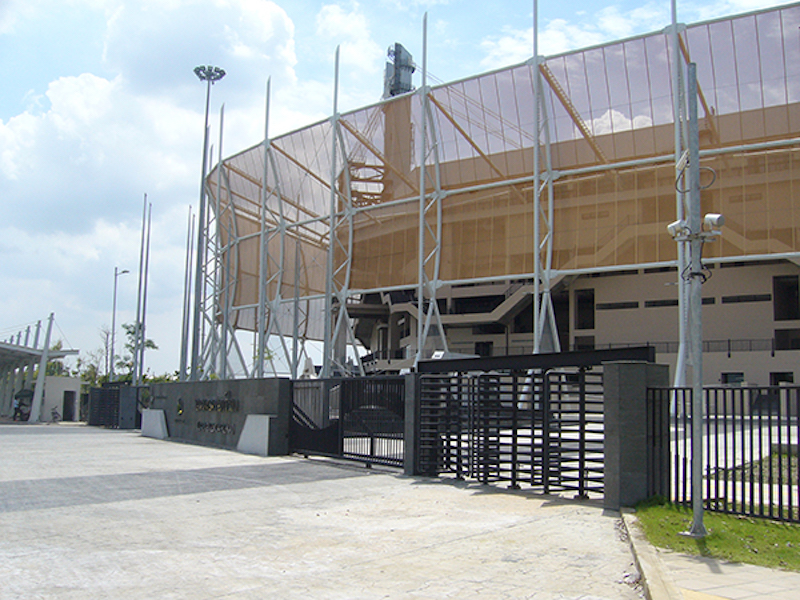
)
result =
(534, 174)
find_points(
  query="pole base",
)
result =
(699, 534)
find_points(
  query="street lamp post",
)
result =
(210, 75)
(117, 273)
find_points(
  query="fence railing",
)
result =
(750, 448)
(729, 346)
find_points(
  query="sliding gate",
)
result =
(541, 429)
(355, 418)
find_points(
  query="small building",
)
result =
(62, 394)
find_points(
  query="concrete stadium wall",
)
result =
(213, 413)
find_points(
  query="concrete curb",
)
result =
(656, 583)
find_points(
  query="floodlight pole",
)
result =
(210, 75)
(117, 273)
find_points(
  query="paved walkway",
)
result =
(699, 578)
(92, 513)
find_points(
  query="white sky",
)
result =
(99, 105)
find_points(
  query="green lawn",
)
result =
(739, 539)
(773, 468)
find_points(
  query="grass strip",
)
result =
(731, 537)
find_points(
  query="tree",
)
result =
(125, 363)
(56, 366)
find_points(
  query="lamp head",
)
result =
(209, 73)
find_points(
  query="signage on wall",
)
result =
(211, 406)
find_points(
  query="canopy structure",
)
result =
(560, 166)
(20, 355)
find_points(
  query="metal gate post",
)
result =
(582, 433)
(514, 431)
(546, 431)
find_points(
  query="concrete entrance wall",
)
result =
(213, 413)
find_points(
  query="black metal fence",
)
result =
(750, 448)
(542, 429)
(355, 418)
(116, 406)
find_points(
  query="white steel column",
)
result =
(222, 279)
(187, 296)
(543, 313)
(696, 307)
(223, 342)
(339, 219)
(261, 315)
(138, 322)
(32, 364)
(138, 359)
(548, 317)
(429, 259)
(271, 275)
(679, 111)
(328, 332)
(38, 393)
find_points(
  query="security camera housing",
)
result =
(677, 228)
(714, 220)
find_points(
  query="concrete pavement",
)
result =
(92, 513)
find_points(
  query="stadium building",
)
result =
(523, 210)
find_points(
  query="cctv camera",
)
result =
(714, 221)
(677, 228)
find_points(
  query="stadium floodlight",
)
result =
(209, 73)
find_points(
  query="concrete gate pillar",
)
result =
(628, 446)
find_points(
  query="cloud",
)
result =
(351, 30)
(14, 11)
(614, 121)
(559, 35)
(91, 149)
(700, 12)
(76, 159)
(156, 44)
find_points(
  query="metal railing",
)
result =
(750, 448)
(728, 346)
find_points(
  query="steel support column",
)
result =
(430, 208)
(271, 267)
(340, 239)
(544, 325)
